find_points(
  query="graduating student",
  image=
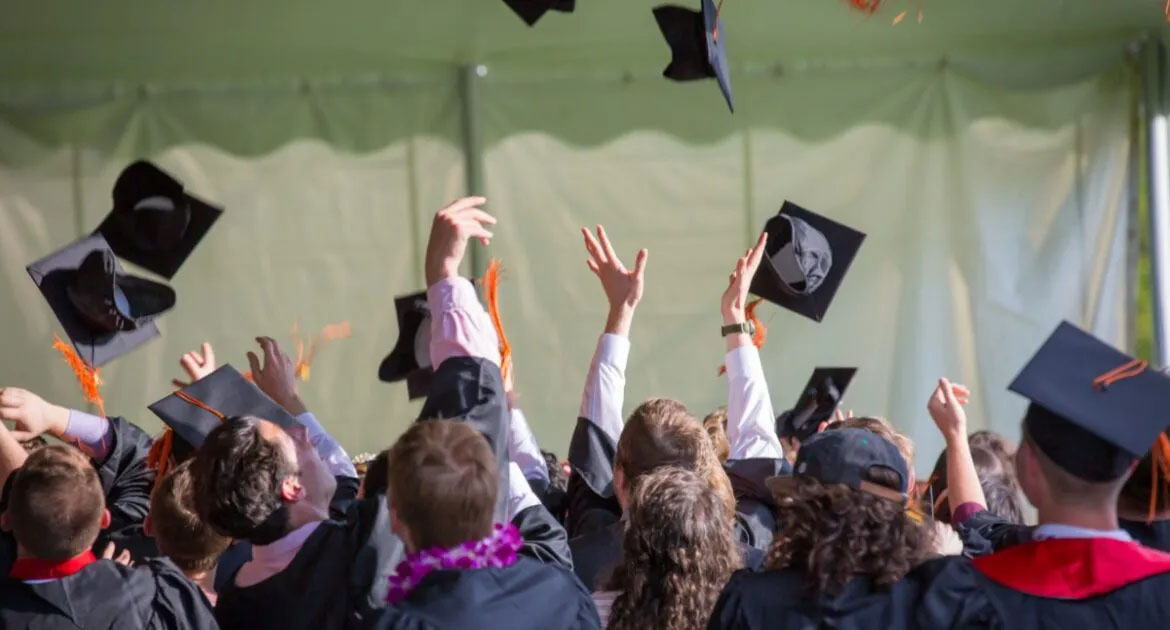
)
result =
(55, 508)
(1093, 413)
(846, 537)
(462, 570)
(181, 536)
(1144, 507)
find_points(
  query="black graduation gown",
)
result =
(338, 577)
(150, 596)
(528, 595)
(1155, 535)
(985, 532)
(1049, 584)
(597, 553)
(779, 599)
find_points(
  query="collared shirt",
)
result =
(751, 423)
(460, 327)
(605, 385)
(524, 451)
(268, 560)
(1050, 531)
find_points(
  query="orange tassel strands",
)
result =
(1161, 474)
(87, 376)
(758, 337)
(491, 289)
(159, 456)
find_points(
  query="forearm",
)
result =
(459, 324)
(750, 419)
(332, 453)
(12, 454)
(605, 385)
(963, 485)
(523, 449)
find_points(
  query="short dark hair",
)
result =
(237, 476)
(56, 503)
(443, 483)
(377, 479)
(179, 532)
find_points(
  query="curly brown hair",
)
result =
(679, 551)
(833, 532)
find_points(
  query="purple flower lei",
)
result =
(496, 550)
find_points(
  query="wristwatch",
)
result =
(746, 328)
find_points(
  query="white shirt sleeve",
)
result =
(334, 456)
(523, 449)
(750, 420)
(520, 494)
(605, 386)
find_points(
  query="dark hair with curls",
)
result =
(833, 532)
(678, 552)
(237, 477)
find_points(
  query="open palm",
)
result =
(623, 288)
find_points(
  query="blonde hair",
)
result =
(716, 425)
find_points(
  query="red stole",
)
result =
(1072, 568)
(37, 569)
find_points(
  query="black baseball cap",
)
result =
(816, 404)
(1094, 409)
(193, 411)
(697, 45)
(532, 10)
(105, 312)
(807, 256)
(154, 223)
(410, 360)
(845, 456)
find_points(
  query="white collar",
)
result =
(1059, 530)
(290, 542)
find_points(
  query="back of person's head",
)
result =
(998, 445)
(56, 506)
(1045, 483)
(882, 427)
(238, 475)
(716, 425)
(558, 480)
(178, 531)
(1000, 488)
(661, 432)
(1003, 497)
(1148, 488)
(832, 533)
(443, 484)
(679, 550)
(377, 479)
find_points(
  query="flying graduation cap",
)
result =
(696, 40)
(105, 312)
(410, 360)
(816, 404)
(806, 258)
(532, 10)
(154, 223)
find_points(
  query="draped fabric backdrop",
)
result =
(995, 194)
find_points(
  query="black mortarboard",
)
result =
(154, 223)
(410, 360)
(1094, 409)
(816, 404)
(696, 40)
(532, 10)
(192, 412)
(807, 256)
(845, 456)
(103, 311)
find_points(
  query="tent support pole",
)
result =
(469, 76)
(1157, 119)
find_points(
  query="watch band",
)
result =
(745, 328)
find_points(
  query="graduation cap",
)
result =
(816, 404)
(104, 312)
(192, 412)
(410, 360)
(532, 10)
(807, 256)
(1094, 409)
(154, 223)
(696, 40)
(845, 456)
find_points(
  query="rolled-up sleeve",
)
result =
(460, 327)
(750, 420)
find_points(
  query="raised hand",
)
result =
(277, 377)
(453, 226)
(196, 365)
(946, 409)
(121, 558)
(31, 415)
(623, 288)
(734, 302)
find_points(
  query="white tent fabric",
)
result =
(993, 212)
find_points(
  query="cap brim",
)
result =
(844, 242)
(225, 391)
(52, 275)
(162, 262)
(401, 362)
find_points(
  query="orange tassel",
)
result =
(758, 337)
(88, 377)
(491, 289)
(1161, 467)
(159, 456)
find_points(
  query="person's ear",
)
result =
(291, 490)
(148, 526)
(105, 519)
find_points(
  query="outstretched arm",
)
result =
(964, 492)
(750, 419)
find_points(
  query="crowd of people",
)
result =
(247, 514)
